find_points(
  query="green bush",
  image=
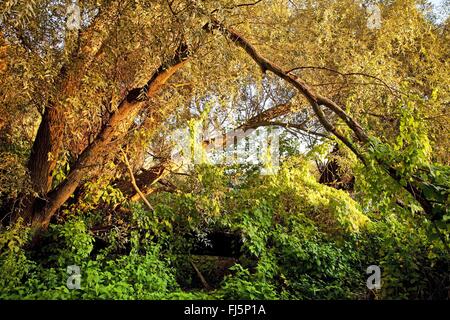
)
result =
(300, 240)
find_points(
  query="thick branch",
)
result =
(314, 98)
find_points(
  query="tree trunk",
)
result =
(107, 141)
(48, 141)
(49, 138)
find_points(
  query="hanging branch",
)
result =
(133, 180)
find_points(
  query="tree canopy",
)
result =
(351, 98)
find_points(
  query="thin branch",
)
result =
(133, 181)
(297, 126)
(200, 276)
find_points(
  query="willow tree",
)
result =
(73, 98)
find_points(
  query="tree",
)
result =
(98, 86)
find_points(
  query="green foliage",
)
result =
(300, 240)
(244, 285)
(100, 191)
(410, 156)
(140, 274)
(413, 259)
(14, 264)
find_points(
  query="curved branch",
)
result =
(316, 100)
(313, 98)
